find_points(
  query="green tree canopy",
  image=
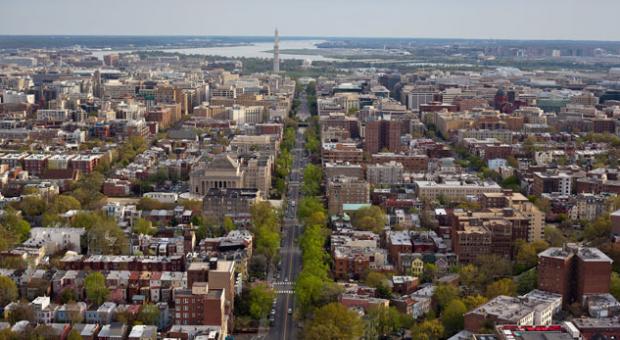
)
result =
(527, 254)
(452, 316)
(614, 288)
(308, 206)
(148, 314)
(143, 227)
(15, 224)
(96, 290)
(313, 175)
(369, 218)
(444, 293)
(554, 236)
(103, 234)
(428, 330)
(8, 290)
(505, 286)
(527, 281)
(492, 267)
(74, 335)
(22, 311)
(266, 229)
(473, 301)
(63, 203)
(383, 321)
(260, 299)
(334, 321)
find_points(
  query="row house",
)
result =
(123, 262)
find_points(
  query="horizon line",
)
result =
(308, 37)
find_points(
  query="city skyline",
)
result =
(571, 20)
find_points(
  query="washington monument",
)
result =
(276, 53)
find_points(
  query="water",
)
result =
(256, 50)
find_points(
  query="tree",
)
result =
(32, 206)
(375, 279)
(444, 293)
(7, 238)
(15, 224)
(229, 224)
(49, 219)
(473, 301)
(614, 287)
(527, 254)
(21, 311)
(257, 267)
(266, 229)
(68, 295)
(317, 218)
(88, 190)
(148, 314)
(96, 290)
(599, 228)
(74, 335)
(543, 204)
(313, 176)
(369, 218)
(452, 317)
(267, 242)
(427, 330)
(7, 334)
(469, 276)
(527, 281)
(143, 227)
(511, 183)
(8, 290)
(334, 321)
(103, 234)
(493, 267)
(501, 287)
(63, 203)
(260, 299)
(382, 321)
(429, 272)
(554, 236)
(308, 205)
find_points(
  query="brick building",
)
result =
(574, 271)
(382, 134)
(342, 190)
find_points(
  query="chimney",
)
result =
(213, 263)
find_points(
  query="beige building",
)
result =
(346, 190)
(257, 173)
(222, 172)
(267, 144)
(231, 202)
(227, 171)
(385, 173)
(453, 190)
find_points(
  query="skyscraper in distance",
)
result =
(276, 53)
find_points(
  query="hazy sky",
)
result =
(510, 19)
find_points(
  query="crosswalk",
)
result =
(283, 287)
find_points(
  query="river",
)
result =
(255, 50)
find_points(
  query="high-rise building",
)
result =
(346, 190)
(574, 272)
(276, 53)
(382, 134)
